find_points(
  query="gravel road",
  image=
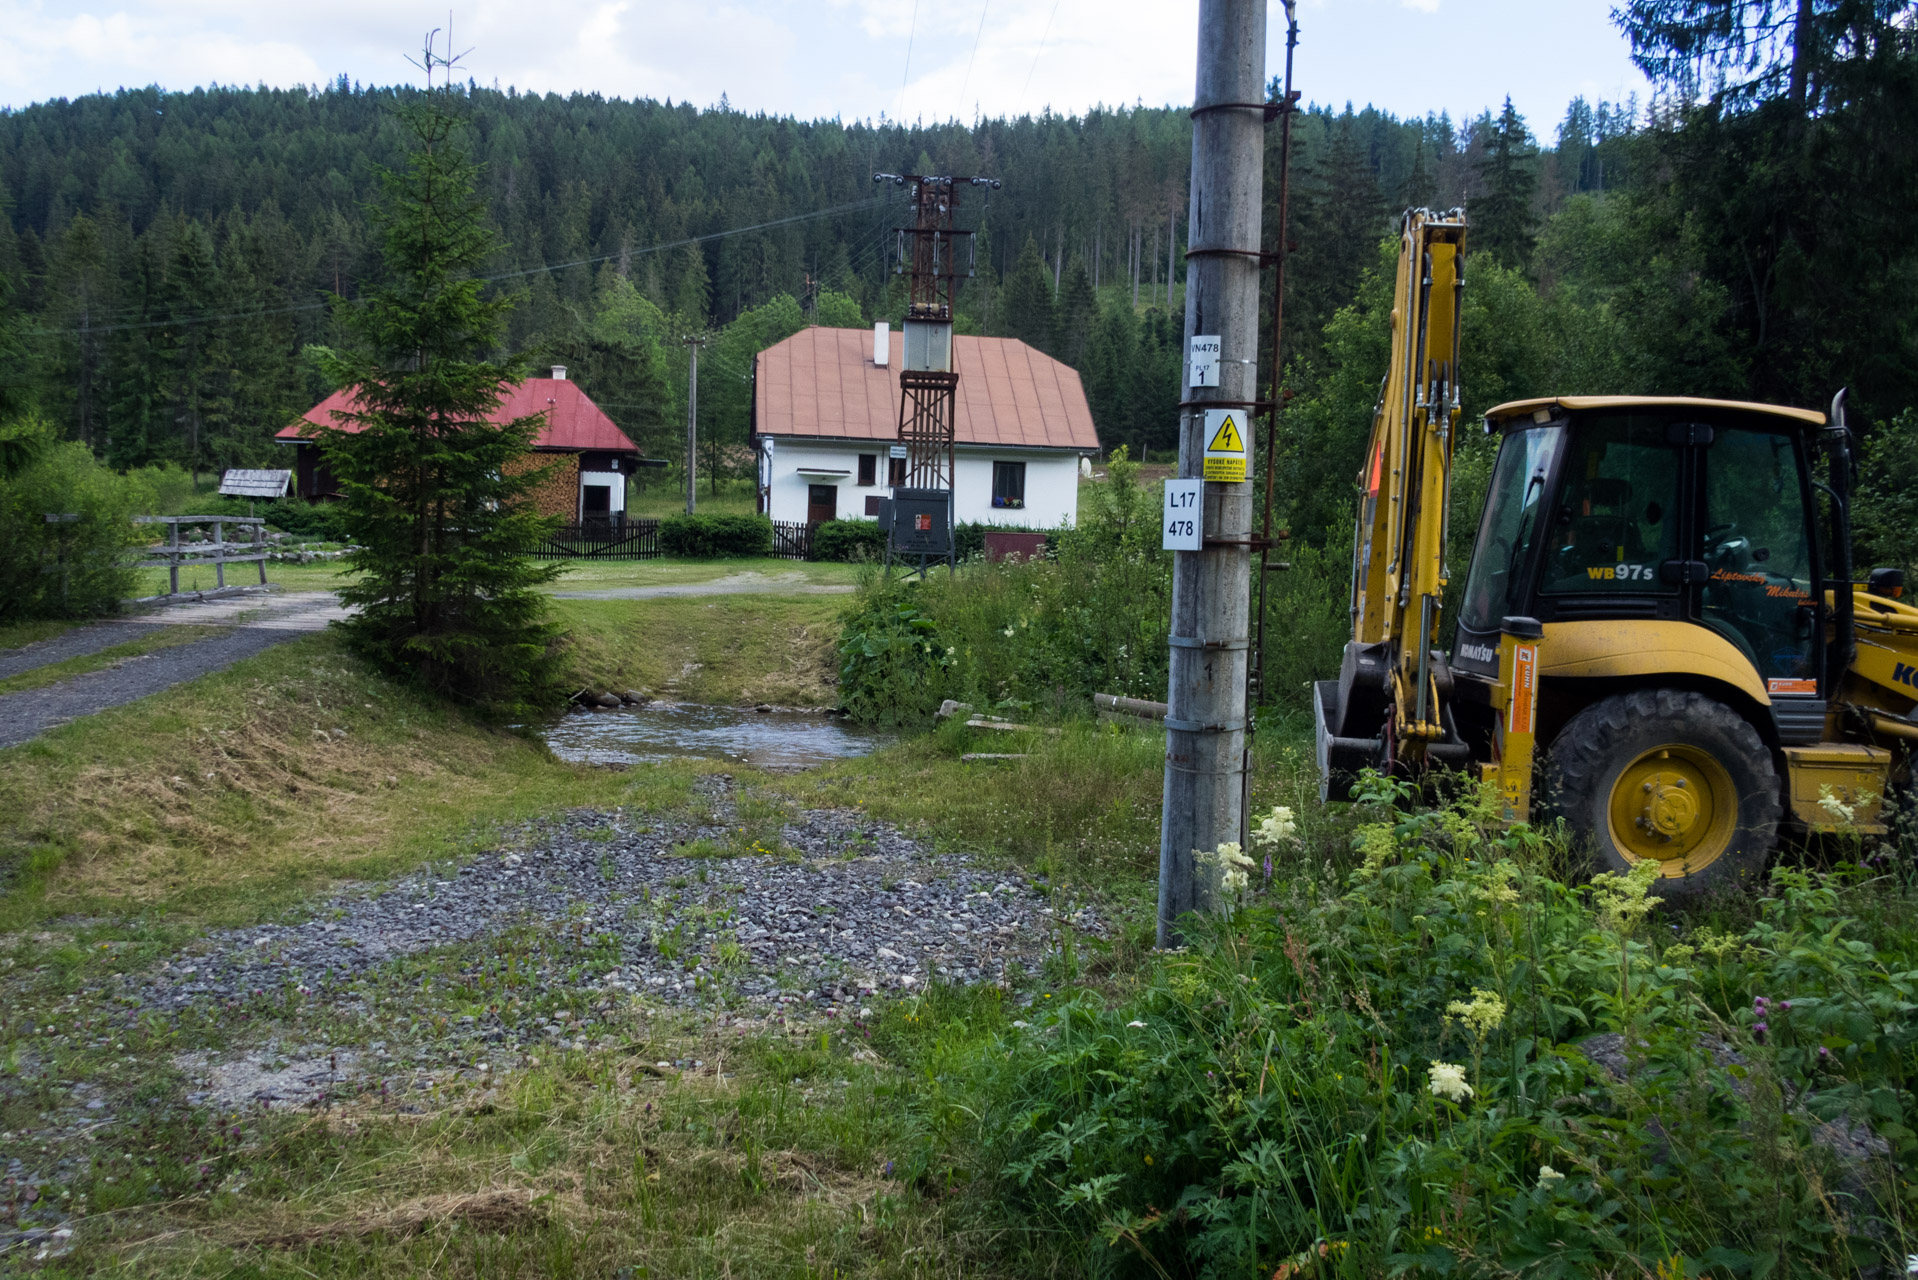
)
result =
(77, 643)
(848, 907)
(28, 714)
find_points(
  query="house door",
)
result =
(822, 503)
(597, 504)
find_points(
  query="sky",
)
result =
(852, 59)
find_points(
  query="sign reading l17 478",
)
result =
(1225, 445)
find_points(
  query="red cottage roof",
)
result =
(573, 422)
(823, 383)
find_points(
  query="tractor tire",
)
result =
(1669, 775)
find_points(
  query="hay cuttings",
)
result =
(498, 1212)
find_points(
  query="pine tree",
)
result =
(1503, 221)
(435, 494)
(1078, 311)
(1026, 306)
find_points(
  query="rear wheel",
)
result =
(1669, 776)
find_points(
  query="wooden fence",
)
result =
(792, 540)
(632, 540)
(173, 554)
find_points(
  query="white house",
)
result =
(826, 411)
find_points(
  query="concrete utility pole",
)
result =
(1205, 723)
(692, 418)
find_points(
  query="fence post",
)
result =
(219, 554)
(173, 558)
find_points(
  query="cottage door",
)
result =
(822, 503)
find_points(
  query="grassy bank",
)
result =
(726, 650)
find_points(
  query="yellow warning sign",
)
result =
(1224, 446)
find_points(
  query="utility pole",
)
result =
(1205, 758)
(692, 417)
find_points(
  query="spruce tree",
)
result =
(1078, 311)
(1026, 301)
(1503, 221)
(434, 493)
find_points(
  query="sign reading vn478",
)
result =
(1225, 445)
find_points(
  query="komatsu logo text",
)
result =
(1477, 652)
(1905, 673)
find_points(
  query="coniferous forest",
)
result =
(175, 257)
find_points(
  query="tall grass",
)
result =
(1445, 1061)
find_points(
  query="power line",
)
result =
(1042, 48)
(980, 35)
(912, 28)
(664, 246)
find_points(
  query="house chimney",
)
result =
(559, 373)
(881, 344)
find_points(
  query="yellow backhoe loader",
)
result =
(1659, 638)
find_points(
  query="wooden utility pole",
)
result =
(1205, 759)
(692, 418)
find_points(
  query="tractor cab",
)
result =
(1673, 537)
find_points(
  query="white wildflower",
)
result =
(1276, 828)
(1548, 1174)
(1234, 867)
(1837, 810)
(1135, 1023)
(1482, 1014)
(1447, 1080)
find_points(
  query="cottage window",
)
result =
(1009, 484)
(868, 470)
(896, 472)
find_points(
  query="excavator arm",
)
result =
(1388, 705)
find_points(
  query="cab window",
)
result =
(1758, 556)
(1617, 518)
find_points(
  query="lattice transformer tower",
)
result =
(929, 256)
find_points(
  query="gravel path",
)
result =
(26, 715)
(851, 907)
(77, 643)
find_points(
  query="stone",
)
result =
(608, 700)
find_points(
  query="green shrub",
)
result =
(308, 521)
(74, 569)
(1390, 1071)
(846, 540)
(714, 537)
(1090, 617)
(891, 664)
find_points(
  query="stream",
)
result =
(662, 731)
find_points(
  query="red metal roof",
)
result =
(823, 383)
(573, 422)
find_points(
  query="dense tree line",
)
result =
(176, 256)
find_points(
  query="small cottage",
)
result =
(589, 456)
(826, 415)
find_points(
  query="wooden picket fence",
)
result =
(632, 540)
(792, 540)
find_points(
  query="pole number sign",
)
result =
(1202, 360)
(1183, 524)
(1225, 445)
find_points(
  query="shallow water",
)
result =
(672, 730)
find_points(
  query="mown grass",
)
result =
(592, 575)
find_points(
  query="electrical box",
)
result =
(921, 522)
(928, 346)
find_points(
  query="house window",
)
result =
(868, 470)
(872, 505)
(896, 472)
(1009, 484)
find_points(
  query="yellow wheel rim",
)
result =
(1675, 805)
